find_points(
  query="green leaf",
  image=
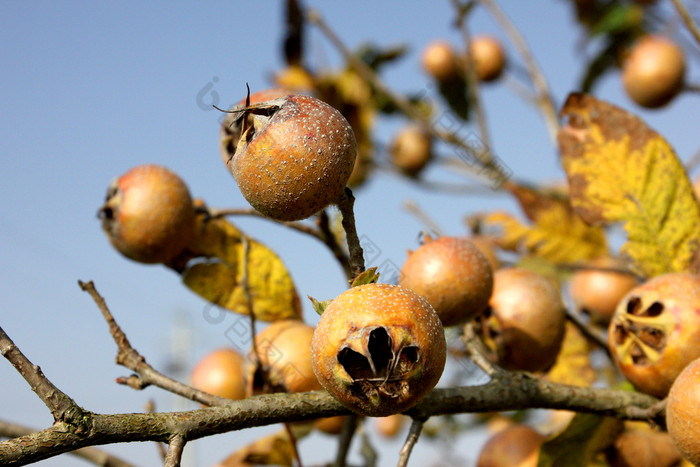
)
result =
(319, 306)
(370, 276)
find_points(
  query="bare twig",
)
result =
(293, 443)
(423, 217)
(346, 205)
(62, 407)
(330, 241)
(298, 226)
(599, 337)
(129, 357)
(544, 97)
(477, 352)
(411, 440)
(345, 439)
(175, 448)
(470, 73)
(688, 20)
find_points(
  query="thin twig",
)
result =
(687, 19)
(470, 72)
(345, 439)
(346, 205)
(423, 217)
(477, 352)
(62, 407)
(293, 443)
(411, 440)
(175, 448)
(544, 97)
(599, 337)
(130, 358)
(151, 408)
(329, 239)
(298, 226)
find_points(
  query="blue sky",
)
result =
(91, 89)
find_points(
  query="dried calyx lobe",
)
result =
(249, 120)
(374, 361)
(647, 334)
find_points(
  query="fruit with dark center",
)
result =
(524, 324)
(294, 156)
(283, 359)
(148, 214)
(683, 412)
(515, 446)
(598, 292)
(220, 373)
(411, 150)
(440, 61)
(379, 349)
(487, 54)
(452, 275)
(655, 331)
(231, 126)
(654, 71)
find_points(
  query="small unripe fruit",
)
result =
(411, 150)
(283, 361)
(220, 373)
(683, 412)
(598, 292)
(148, 214)
(516, 446)
(294, 156)
(390, 426)
(452, 275)
(440, 61)
(654, 71)
(379, 349)
(655, 331)
(524, 325)
(488, 57)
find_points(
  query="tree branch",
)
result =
(175, 447)
(357, 258)
(62, 407)
(687, 19)
(411, 440)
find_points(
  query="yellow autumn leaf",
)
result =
(573, 364)
(620, 170)
(222, 257)
(557, 233)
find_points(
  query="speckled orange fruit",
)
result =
(515, 446)
(411, 149)
(220, 373)
(524, 325)
(148, 214)
(379, 349)
(294, 158)
(598, 292)
(683, 412)
(488, 57)
(283, 362)
(655, 331)
(654, 71)
(453, 275)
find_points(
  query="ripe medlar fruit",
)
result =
(488, 57)
(655, 331)
(597, 292)
(487, 246)
(231, 127)
(524, 324)
(410, 150)
(283, 361)
(683, 412)
(378, 349)
(452, 275)
(391, 425)
(654, 71)
(515, 446)
(440, 61)
(148, 214)
(220, 373)
(294, 156)
(643, 448)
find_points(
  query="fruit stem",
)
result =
(357, 259)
